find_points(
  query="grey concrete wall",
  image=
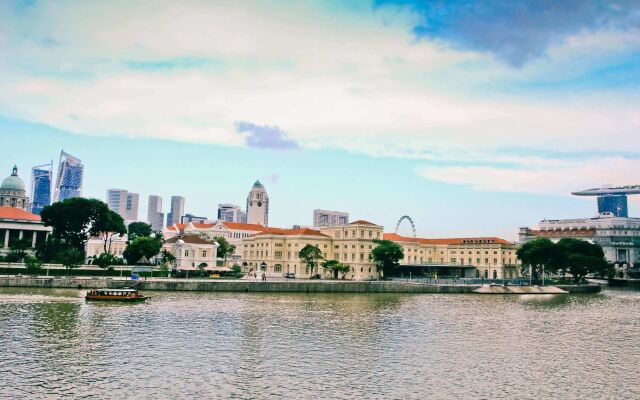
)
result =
(258, 286)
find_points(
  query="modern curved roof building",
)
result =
(611, 199)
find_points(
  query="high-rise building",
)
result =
(258, 205)
(155, 216)
(323, 218)
(117, 201)
(132, 206)
(185, 219)
(177, 210)
(231, 213)
(69, 179)
(41, 180)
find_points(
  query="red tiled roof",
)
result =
(361, 222)
(191, 239)
(471, 240)
(170, 228)
(17, 214)
(202, 226)
(245, 227)
(292, 232)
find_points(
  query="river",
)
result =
(334, 346)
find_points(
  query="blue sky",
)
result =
(472, 117)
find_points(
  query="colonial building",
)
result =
(16, 223)
(618, 236)
(192, 252)
(276, 251)
(115, 246)
(258, 205)
(234, 232)
(482, 257)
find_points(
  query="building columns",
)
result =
(6, 238)
(33, 239)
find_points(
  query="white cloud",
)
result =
(327, 79)
(561, 177)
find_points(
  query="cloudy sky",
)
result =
(472, 117)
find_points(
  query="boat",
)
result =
(126, 294)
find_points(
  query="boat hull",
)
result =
(116, 298)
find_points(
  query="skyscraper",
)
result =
(132, 206)
(329, 218)
(258, 205)
(231, 213)
(177, 210)
(41, 180)
(155, 216)
(117, 201)
(69, 179)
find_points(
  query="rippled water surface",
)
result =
(237, 345)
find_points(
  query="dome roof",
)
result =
(258, 184)
(13, 182)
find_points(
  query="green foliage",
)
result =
(70, 257)
(33, 264)
(574, 256)
(138, 229)
(106, 260)
(167, 258)
(580, 258)
(537, 253)
(18, 250)
(386, 256)
(75, 220)
(148, 247)
(110, 225)
(336, 267)
(226, 249)
(310, 255)
(237, 270)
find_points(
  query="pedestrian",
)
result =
(264, 277)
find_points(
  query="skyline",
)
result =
(474, 131)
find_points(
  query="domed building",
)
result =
(12, 191)
(16, 223)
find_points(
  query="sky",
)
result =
(474, 118)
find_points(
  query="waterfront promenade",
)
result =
(279, 285)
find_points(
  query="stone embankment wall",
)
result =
(257, 286)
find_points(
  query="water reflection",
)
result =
(253, 345)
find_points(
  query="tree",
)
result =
(226, 249)
(70, 257)
(580, 258)
(18, 250)
(310, 255)
(33, 264)
(138, 229)
(75, 220)
(110, 225)
(148, 247)
(335, 267)
(386, 255)
(201, 267)
(106, 260)
(538, 253)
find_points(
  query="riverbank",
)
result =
(212, 285)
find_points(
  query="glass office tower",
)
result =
(70, 175)
(41, 180)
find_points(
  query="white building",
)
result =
(192, 252)
(323, 218)
(258, 205)
(155, 216)
(234, 232)
(618, 236)
(16, 223)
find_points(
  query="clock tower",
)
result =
(258, 205)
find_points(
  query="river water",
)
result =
(333, 346)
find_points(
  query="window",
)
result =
(204, 254)
(186, 253)
(277, 268)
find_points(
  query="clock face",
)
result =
(259, 204)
